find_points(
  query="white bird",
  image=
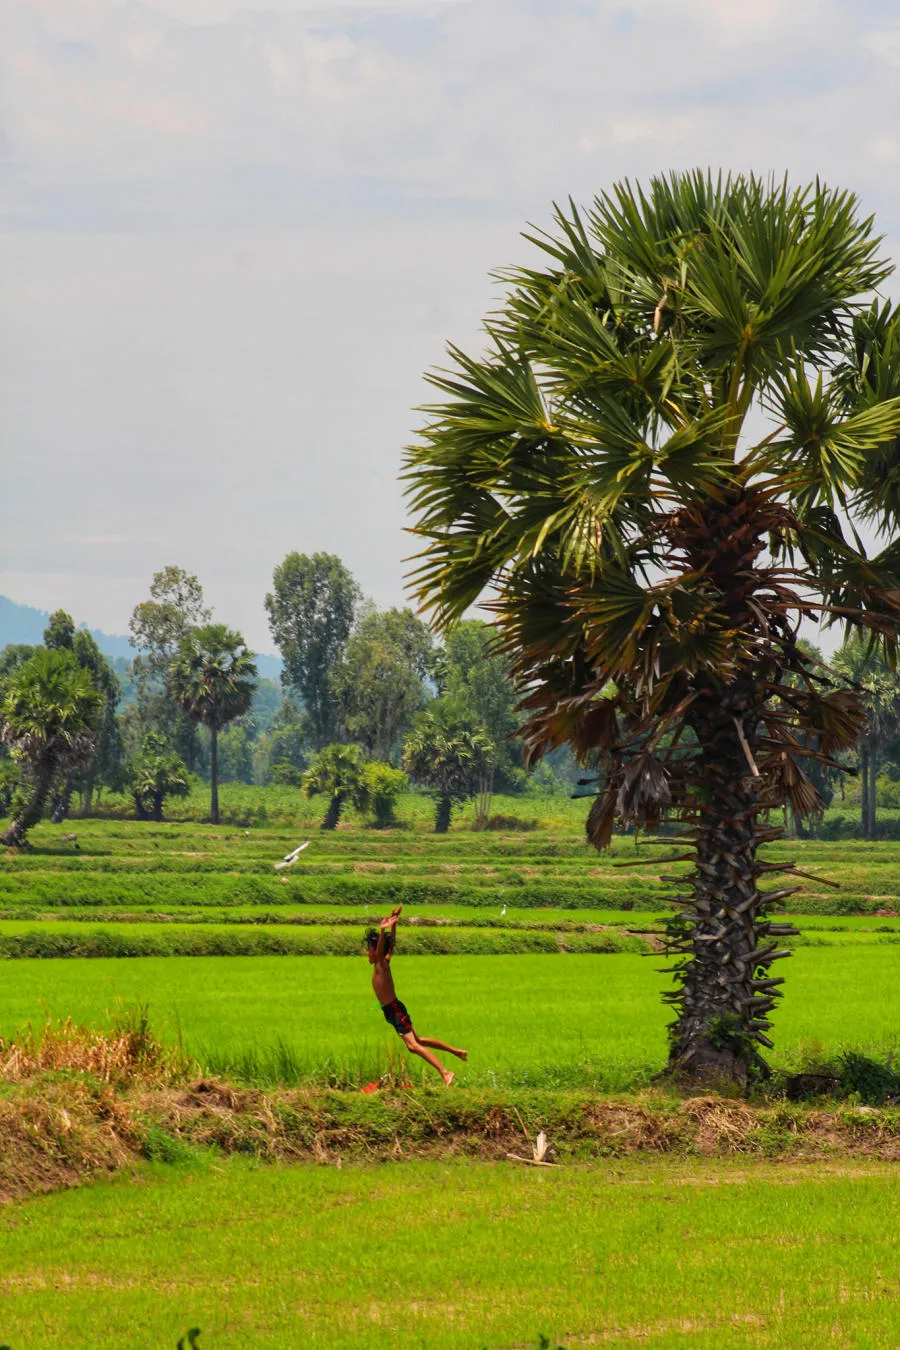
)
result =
(503, 911)
(290, 858)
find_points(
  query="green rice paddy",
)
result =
(523, 946)
(462, 1255)
(592, 1022)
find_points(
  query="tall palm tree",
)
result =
(653, 467)
(48, 714)
(450, 757)
(212, 678)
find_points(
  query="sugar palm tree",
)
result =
(655, 468)
(48, 714)
(338, 771)
(450, 757)
(212, 678)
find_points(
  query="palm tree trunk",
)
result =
(333, 814)
(14, 836)
(725, 990)
(442, 815)
(864, 788)
(214, 775)
(873, 775)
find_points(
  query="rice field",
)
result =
(527, 946)
(520, 944)
(461, 1255)
(591, 1022)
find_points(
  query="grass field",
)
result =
(250, 1002)
(618, 1252)
(581, 1022)
(459, 1256)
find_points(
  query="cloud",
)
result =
(238, 232)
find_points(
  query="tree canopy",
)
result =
(311, 608)
(48, 711)
(450, 757)
(380, 682)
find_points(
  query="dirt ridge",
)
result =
(59, 1132)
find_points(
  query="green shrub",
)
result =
(871, 1081)
(384, 785)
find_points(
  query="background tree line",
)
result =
(368, 702)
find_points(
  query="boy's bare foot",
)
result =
(448, 1078)
(460, 1054)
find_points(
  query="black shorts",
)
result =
(395, 1012)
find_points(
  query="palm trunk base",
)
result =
(16, 834)
(722, 935)
(333, 814)
(708, 1065)
(442, 814)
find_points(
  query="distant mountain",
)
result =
(21, 623)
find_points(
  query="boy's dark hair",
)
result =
(372, 940)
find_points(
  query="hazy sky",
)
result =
(234, 236)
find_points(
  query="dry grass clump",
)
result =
(128, 1053)
(62, 1136)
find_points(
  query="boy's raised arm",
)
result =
(385, 927)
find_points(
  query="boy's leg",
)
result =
(442, 1045)
(415, 1047)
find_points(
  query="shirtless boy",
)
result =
(380, 945)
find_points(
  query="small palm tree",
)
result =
(450, 757)
(48, 713)
(212, 679)
(653, 548)
(155, 774)
(338, 771)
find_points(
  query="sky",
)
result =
(235, 235)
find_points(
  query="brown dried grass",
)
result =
(127, 1053)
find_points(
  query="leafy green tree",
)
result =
(338, 772)
(212, 678)
(384, 784)
(157, 628)
(9, 783)
(236, 752)
(14, 654)
(48, 712)
(450, 758)
(155, 774)
(285, 744)
(652, 547)
(59, 634)
(380, 683)
(865, 671)
(311, 610)
(473, 676)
